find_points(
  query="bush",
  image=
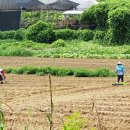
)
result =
(20, 34)
(65, 34)
(46, 36)
(97, 14)
(1, 35)
(34, 30)
(12, 51)
(85, 35)
(74, 122)
(61, 71)
(119, 24)
(103, 72)
(7, 34)
(99, 35)
(114, 4)
(83, 73)
(59, 43)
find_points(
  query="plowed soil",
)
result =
(26, 98)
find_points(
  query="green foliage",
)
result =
(61, 71)
(20, 34)
(30, 18)
(65, 34)
(7, 34)
(72, 49)
(113, 17)
(88, 17)
(2, 119)
(102, 72)
(12, 51)
(85, 35)
(99, 35)
(119, 24)
(114, 4)
(59, 43)
(97, 14)
(74, 122)
(34, 30)
(46, 36)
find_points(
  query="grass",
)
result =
(77, 72)
(72, 49)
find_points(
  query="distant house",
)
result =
(10, 12)
(9, 15)
(31, 5)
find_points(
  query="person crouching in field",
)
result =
(120, 71)
(2, 75)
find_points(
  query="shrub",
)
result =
(85, 35)
(99, 35)
(2, 119)
(74, 122)
(102, 72)
(82, 73)
(114, 4)
(65, 34)
(88, 16)
(35, 29)
(61, 71)
(20, 34)
(97, 14)
(29, 70)
(119, 24)
(7, 34)
(12, 51)
(1, 35)
(59, 43)
(46, 36)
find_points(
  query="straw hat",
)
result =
(119, 63)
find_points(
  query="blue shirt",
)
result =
(120, 69)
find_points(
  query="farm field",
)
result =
(28, 95)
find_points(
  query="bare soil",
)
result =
(26, 98)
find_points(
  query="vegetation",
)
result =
(40, 32)
(101, 72)
(30, 18)
(109, 16)
(74, 122)
(65, 49)
(110, 39)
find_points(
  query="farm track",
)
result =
(28, 95)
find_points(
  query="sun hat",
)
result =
(119, 63)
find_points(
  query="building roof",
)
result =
(72, 12)
(8, 5)
(63, 5)
(83, 4)
(31, 4)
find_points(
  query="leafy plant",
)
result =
(20, 34)
(65, 34)
(34, 30)
(119, 24)
(59, 43)
(74, 122)
(102, 72)
(46, 36)
(2, 119)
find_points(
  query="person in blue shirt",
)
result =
(120, 71)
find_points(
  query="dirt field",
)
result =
(29, 102)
